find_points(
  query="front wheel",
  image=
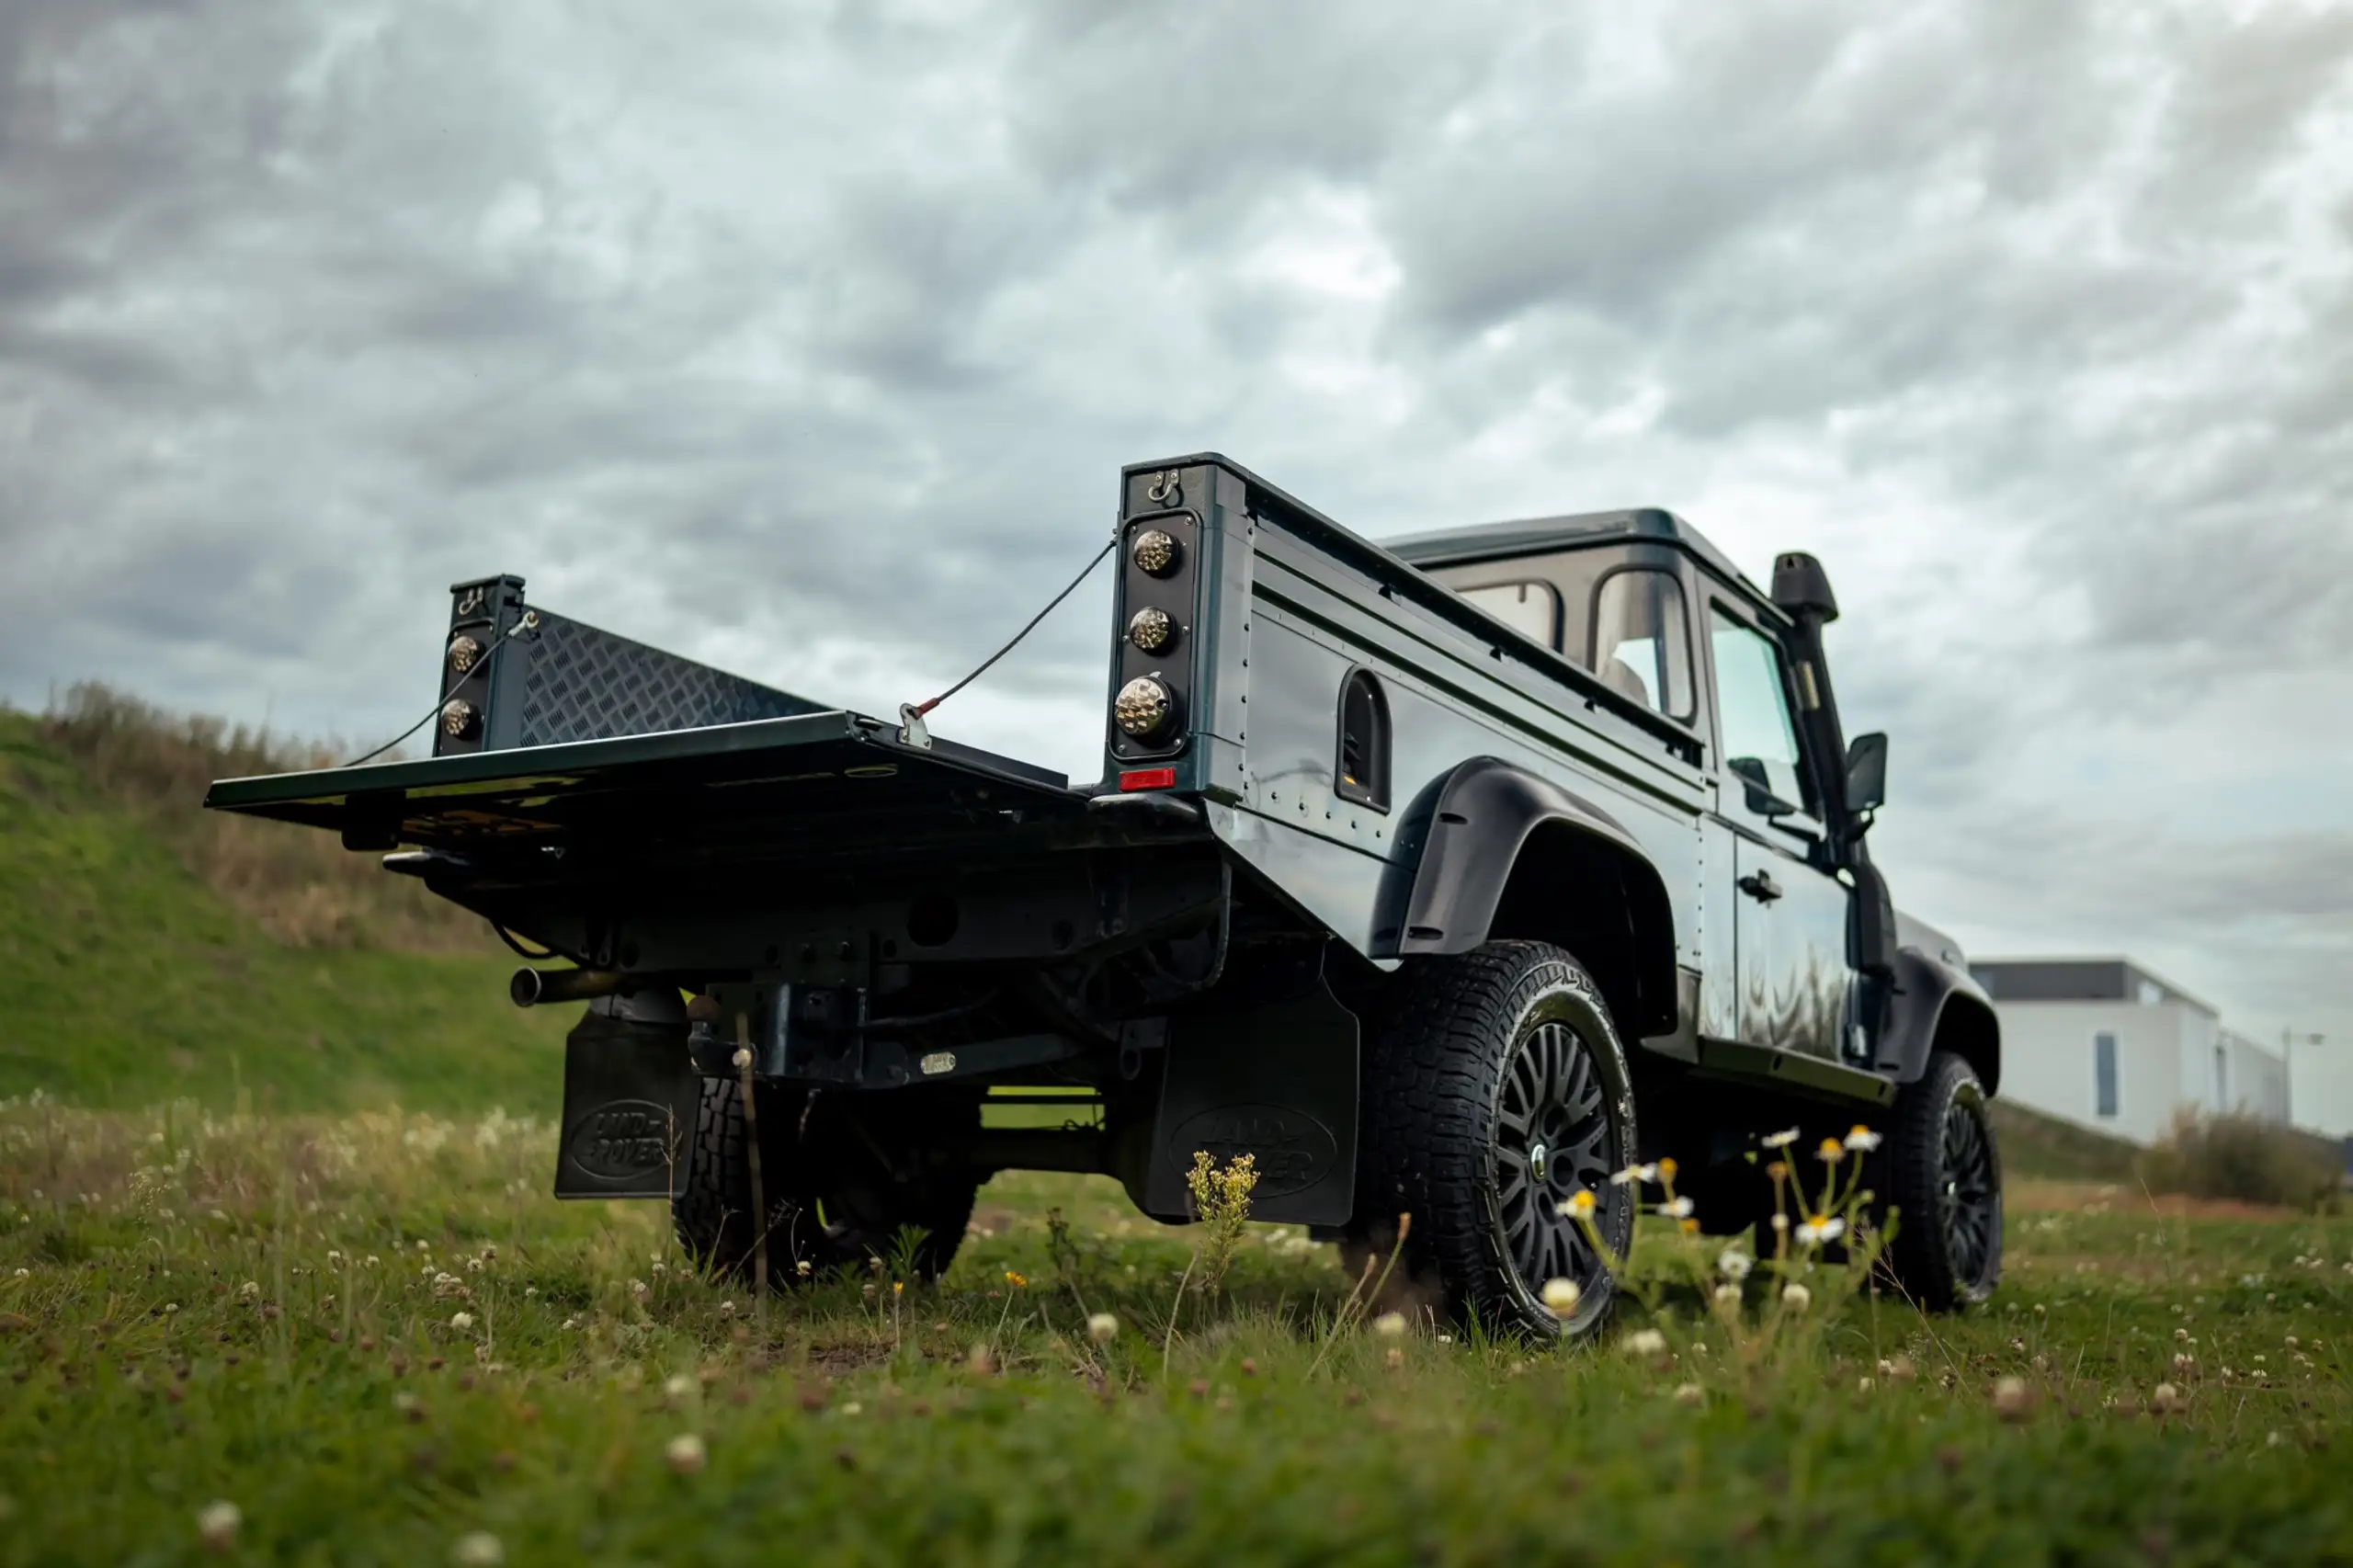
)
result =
(1495, 1092)
(1944, 1178)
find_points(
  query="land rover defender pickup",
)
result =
(1445, 878)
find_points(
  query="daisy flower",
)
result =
(1862, 1139)
(1821, 1228)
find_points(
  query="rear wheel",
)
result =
(844, 1179)
(1944, 1177)
(1495, 1091)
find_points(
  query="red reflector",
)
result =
(1149, 778)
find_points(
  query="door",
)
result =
(1790, 913)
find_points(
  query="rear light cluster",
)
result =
(1159, 551)
(479, 612)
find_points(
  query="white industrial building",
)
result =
(2105, 1044)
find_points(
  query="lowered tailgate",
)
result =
(776, 788)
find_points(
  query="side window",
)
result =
(1753, 699)
(1642, 641)
(2104, 1096)
(1530, 607)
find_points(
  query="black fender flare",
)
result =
(1466, 834)
(1936, 1003)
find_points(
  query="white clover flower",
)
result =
(249, 1289)
(478, 1548)
(571, 1323)
(1102, 1328)
(1561, 1297)
(1780, 1139)
(1734, 1264)
(726, 1309)
(462, 1321)
(1862, 1139)
(371, 1261)
(1820, 1228)
(639, 1288)
(801, 1268)
(333, 1257)
(529, 1291)
(1389, 1325)
(1728, 1294)
(1677, 1209)
(170, 1307)
(24, 1272)
(1690, 1393)
(1645, 1342)
(686, 1453)
(216, 1524)
(1797, 1296)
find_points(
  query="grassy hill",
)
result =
(2034, 1144)
(149, 952)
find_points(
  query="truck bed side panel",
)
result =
(1312, 619)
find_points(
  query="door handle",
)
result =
(1760, 886)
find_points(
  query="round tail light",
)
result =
(1142, 707)
(1152, 630)
(1155, 553)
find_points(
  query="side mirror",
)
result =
(1867, 772)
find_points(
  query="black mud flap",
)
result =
(1275, 1079)
(629, 1099)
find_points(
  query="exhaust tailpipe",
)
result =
(530, 987)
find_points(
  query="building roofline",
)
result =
(2135, 965)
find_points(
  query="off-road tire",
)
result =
(828, 1207)
(1943, 1176)
(1438, 1140)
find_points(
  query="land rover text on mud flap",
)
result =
(1446, 878)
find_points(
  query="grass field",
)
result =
(376, 1339)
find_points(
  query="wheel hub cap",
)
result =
(1538, 1158)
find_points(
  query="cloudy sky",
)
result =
(808, 340)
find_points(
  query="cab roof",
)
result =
(1541, 536)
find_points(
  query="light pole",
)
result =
(2288, 1040)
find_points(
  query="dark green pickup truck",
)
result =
(1444, 878)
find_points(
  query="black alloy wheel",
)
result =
(1968, 1202)
(1552, 1141)
(1495, 1091)
(1943, 1179)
